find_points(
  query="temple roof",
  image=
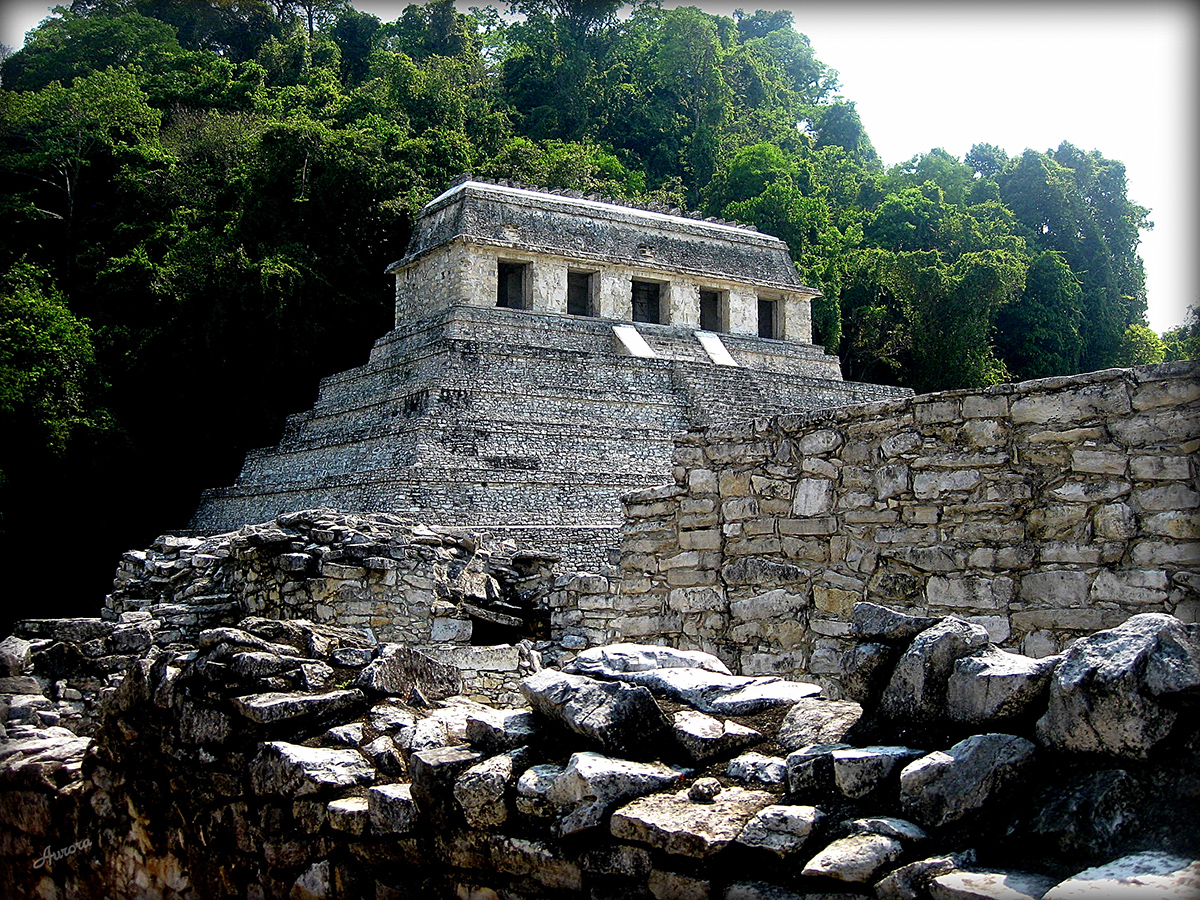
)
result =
(583, 229)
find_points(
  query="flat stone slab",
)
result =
(295, 771)
(855, 859)
(705, 737)
(997, 885)
(816, 721)
(350, 815)
(592, 784)
(402, 670)
(623, 720)
(630, 657)
(716, 693)
(755, 768)
(674, 824)
(783, 830)
(272, 707)
(1140, 876)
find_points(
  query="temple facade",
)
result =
(545, 351)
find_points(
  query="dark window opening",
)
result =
(510, 285)
(646, 306)
(579, 294)
(710, 311)
(768, 318)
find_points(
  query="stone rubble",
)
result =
(204, 777)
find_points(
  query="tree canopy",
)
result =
(201, 197)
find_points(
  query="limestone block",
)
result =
(674, 824)
(14, 655)
(533, 790)
(928, 485)
(968, 592)
(391, 809)
(1057, 587)
(1149, 875)
(434, 772)
(591, 784)
(755, 768)
(916, 690)
(294, 770)
(810, 770)
(770, 605)
(621, 719)
(1070, 407)
(814, 497)
(817, 721)
(945, 787)
(995, 685)
(539, 860)
(1184, 526)
(1159, 468)
(481, 789)
(350, 815)
(272, 707)
(783, 830)
(1138, 586)
(1113, 691)
(1098, 462)
(1004, 884)
(859, 771)
(704, 737)
(891, 480)
(855, 859)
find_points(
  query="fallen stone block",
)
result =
(911, 882)
(859, 771)
(497, 730)
(900, 829)
(917, 689)
(855, 859)
(755, 768)
(1115, 691)
(538, 860)
(945, 787)
(873, 622)
(817, 721)
(994, 885)
(810, 770)
(533, 790)
(391, 809)
(400, 670)
(350, 815)
(628, 657)
(481, 791)
(704, 738)
(674, 824)
(783, 830)
(1140, 876)
(623, 720)
(996, 686)
(274, 707)
(296, 771)
(434, 773)
(14, 655)
(592, 784)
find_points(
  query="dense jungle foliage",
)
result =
(200, 198)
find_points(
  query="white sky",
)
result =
(1115, 77)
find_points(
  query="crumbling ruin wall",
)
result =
(1042, 510)
(461, 596)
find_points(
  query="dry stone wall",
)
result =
(1041, 511)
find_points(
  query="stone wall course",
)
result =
(1050, 507)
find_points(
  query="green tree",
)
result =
(1038, 333)
(1183, 341)
(1140, 347)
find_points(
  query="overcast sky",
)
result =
(1115, 77)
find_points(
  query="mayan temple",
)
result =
(545, 350)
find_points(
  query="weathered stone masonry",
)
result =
(536, 407)
(1043, 510)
